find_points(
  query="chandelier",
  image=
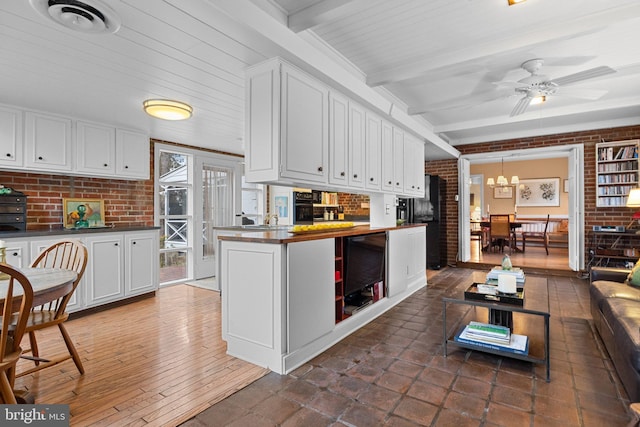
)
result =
(501, 181)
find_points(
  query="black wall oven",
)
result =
(303, 207)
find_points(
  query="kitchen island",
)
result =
(281, 292)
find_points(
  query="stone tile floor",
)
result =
(393, 372)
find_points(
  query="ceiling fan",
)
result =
(539, 86)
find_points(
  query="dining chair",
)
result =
(69, 254)
(500, 231)
(17, 295)
(538, 236)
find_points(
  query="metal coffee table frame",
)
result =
(532, 319)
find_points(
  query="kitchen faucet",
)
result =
(269, 217)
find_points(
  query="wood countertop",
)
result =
(281, 236)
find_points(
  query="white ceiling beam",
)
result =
(323, 11)
(542, 35)
(304, 55)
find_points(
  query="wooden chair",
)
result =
(478, 233)
(18, 297)
(67, 254)
(499, 231)
(538, 236)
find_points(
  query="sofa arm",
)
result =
(607, 273)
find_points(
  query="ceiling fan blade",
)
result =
(521, 106)
(581, 93)
(583, 75)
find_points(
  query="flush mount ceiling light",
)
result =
(167, 110)
(512, 2)
(87, 16)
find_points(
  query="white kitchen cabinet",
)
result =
(141, 263)
(105, 270)
(373, 151)
(132, 154)
(310, 291)
(387, 161)
(48, 142)
(357, 136)
(11, 137)
(398, 160)
(407, 259)
(338, 139)
(413, 166)
(287, 125)
(95, 149)
(17, 254)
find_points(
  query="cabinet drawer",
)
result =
(10, 209)
(12, 200)
(9, 218)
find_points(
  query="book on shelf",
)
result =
(518, 344)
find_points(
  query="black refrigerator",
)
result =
(430, 210)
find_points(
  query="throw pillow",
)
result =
(633, 279)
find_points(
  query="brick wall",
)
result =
(448, 169)
(352, 203)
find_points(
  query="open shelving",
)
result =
(616, 171)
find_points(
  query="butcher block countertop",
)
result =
(284, 235)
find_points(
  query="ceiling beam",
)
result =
(322, 12)
(543, 35)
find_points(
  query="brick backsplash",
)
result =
(448, 169)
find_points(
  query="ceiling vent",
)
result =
(87, 16)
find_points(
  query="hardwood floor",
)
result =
(155, 362)
(534, 257)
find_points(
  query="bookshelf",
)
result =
(339, 283)
(616, 171)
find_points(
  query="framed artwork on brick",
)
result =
(83, 213)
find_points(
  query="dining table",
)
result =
(513, 225)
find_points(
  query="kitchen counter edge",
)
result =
(284, 236)
(72, 232)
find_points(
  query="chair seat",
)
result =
(534, 234)
(44, 318)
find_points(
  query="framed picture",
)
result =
(565, 185)
(83, 213)
(539, 192)
(503, 192)
(282, 206)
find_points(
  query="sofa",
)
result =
(615, 307)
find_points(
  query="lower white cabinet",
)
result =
(406, 259)
(119, 265)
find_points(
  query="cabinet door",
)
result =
(418, 168)
(95, 149)
(132, 154)
(372, 151)
(304, 127)
(410, 165)
(11, 137)
(338, 139)
(104, 273)
(356, 145)
(386, 179)
(398, 262)
(310, 291)
(17, 254)
(141, 263)
(398, 160)
(47, 142)
(418, 255)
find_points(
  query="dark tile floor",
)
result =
(393, 372)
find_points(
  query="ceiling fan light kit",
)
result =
(512, 2)
(167, 109)
(87, 16)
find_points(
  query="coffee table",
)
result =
(530, 319)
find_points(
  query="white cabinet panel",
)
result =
(387, 152)
(48, 142)
(105, 270)
(338, 139)
(398, 160)
(397, 262)
(373, 149)
(95, 148)
(310, 291)
(356, 145)
(132, 154)
(11, 137)
(17, 254)
(141, 263)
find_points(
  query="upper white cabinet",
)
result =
(132, 154)
(356, 145)
(287, 125)
(48, 142)
(387, 164)
(10, 137)
(373, 151)
(95, 148)
(398, 160)
(338, 139)
(413, 166)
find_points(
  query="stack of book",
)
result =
(494, 337)
(492, 276)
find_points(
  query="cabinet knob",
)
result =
(133, 242)
(320, 169)
(389, 183)
(355, 175)
(397, 183)
(9, 155)
(14, 254)
(341, 173)
(105, 165)
(371, 179)
(115, 244)
(413, 186)
(40, 158)
(126, 167)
